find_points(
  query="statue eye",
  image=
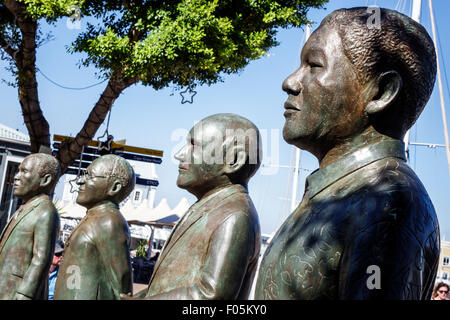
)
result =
(313, 64)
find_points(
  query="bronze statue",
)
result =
(96, 262)
(28, 240)
(213, 251)
(366, 227)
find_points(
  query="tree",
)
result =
(157, 43)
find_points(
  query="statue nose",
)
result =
(180, 154)
(292, 84)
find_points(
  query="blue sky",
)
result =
(149, 118)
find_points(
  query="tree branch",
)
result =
(70, 151)
(8, 49)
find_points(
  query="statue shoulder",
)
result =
(110, 220)
(47, 208)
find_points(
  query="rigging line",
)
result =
(442, 56)
(441, 94)
(404, 6)
(68, 88)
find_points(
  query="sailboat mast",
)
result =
(441, 92)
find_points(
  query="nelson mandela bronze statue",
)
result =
(96, 262)
(366, 227)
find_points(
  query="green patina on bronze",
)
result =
(357, 91)
(213, 251)
(96, 262)
(28, 240)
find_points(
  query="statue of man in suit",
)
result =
(213, 251)
(366, 227)
(28, 240)
(96, 262)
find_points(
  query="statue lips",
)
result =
(16, 185)
(183, 168)
(290, 108)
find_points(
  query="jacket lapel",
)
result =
(194, 215)
(176, 233)
(14, 221)
(195, 212)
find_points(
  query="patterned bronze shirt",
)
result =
(368, 209)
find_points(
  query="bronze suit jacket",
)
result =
(213, 251)
(364, 217)
(96, 262)
(26, 249)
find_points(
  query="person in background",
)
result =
(54, 267)
(440, 292)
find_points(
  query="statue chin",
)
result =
(293, 138)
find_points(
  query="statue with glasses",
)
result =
(96, 262)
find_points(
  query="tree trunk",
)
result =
(38, 128)
(70, 151)
(25, 59)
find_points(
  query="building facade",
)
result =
(443, 273)
(14, 147)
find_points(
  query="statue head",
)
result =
(38, 173)
(108, 178)
(220, 149)
(355, 75)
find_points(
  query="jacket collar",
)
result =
(322, 178)
(192, 215)
(102, 207)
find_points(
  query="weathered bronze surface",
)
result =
(212, 253)
(27, 242)
(96, 262)
(366, 227)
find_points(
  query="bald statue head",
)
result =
(108, 178)
(221, 149)
(354, 76)
(38, 173)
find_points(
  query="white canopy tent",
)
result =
(144, 213)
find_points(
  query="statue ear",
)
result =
(239, 158)
(46, 180)
(389, 85)
(115, 188)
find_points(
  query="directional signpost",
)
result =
(91, 152)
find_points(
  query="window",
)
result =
(446, 261)
(444, 276)
(136, 195)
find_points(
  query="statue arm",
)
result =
(113, 247)
(44, 237)
(229, 251)
(384, 259)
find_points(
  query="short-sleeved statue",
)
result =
(28, 240)
(366, 227)
(213, 251)
(96, 262)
